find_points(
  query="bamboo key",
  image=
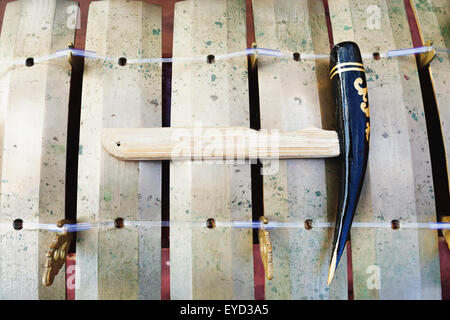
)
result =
(218, 143)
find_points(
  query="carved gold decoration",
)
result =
(253, 57)
(362, 92)
(265, 248)
(74, 61)
(69, 54)
(56, 255)
(367, 131)
(425, 58)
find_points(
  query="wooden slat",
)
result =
(391, 264)
(33, 107)
(289, 100)
(218, 143)
(210, 263)
(119, 263)
(433, 21)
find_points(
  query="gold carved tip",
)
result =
(425, 58)
(332, 269)
(56, 254)
(69, 54)
(253, 57)
(74, 62)
(265, 248)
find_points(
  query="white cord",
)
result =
(251, 51)
(85, 226)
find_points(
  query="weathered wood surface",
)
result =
(295, 95)
(119, 263)
(218, 143)
(210, 263)
(391, 264)
(433, 20)
(33, 125)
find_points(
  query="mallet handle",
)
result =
(218, 143)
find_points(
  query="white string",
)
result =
(405, 52)
(86, 226)
(250, 51)
(442, 50)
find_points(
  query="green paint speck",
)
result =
(213, 77)
(396, 10)
(107, 196)
(347, 28)
(156, 31)
(318, 193)
(208, 43)
(59, 149)
(218, 23)
(80, 149)
(414, 116)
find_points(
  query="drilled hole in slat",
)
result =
(122, 61)
(211, 223)
(395, 224)
(210, 58)
(118, 223)
(308, 224)
(29, 62)
(18, 224)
